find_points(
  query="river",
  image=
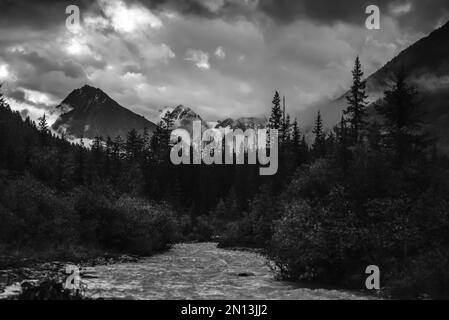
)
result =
(199, 271)
(195, 271)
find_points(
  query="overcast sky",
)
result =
(223, 58)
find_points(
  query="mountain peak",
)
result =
(183, 113)
(89, 89)
(86, 86)
(88, 112)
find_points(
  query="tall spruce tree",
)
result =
(134, 145)
(44, 131)
(42, 124)
(296, 135)
(357, 102)
(342, 136)
(160, 141)
(116, 158)
(286, 131)
(403, 120)
(61, 163)
(80, 163)
(320, 137)
(275, 121)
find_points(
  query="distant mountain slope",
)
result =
(426, 64)
(88, 112)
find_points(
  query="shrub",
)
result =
(48, 290)
(299, 246)
(143, 228)
(33, 216)
(126, 224)
(251, 230)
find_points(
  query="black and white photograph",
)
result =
(205, 151)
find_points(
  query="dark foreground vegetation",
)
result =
(373, 190)
(49, 290)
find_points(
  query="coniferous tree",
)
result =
(221, 211)
(80, 163)
(96, 159)
(403, 119)
(42, 124)
(286, 130)
(275, 121)
(343, 143)
(146, 143)
(43, 129)
(375, 135)
(320, 137)
(299, 146)
(305, 150)
(133, 145)
(117, 149)
(116, 158)
(357, 102)
(97, 144)
(296, 135)
(160, 141)
(108, 150)
(62, 163)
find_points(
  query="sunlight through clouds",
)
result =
(76, 47)
(129, 19)
(199, 57)
(4, 73)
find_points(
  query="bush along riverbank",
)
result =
(38, 224)
(42, 231)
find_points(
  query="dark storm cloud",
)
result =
(192, 7)
(205, 8)
(39, 14)
(17, 94)
(422, 15)
(351, 11)
(45, 13)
